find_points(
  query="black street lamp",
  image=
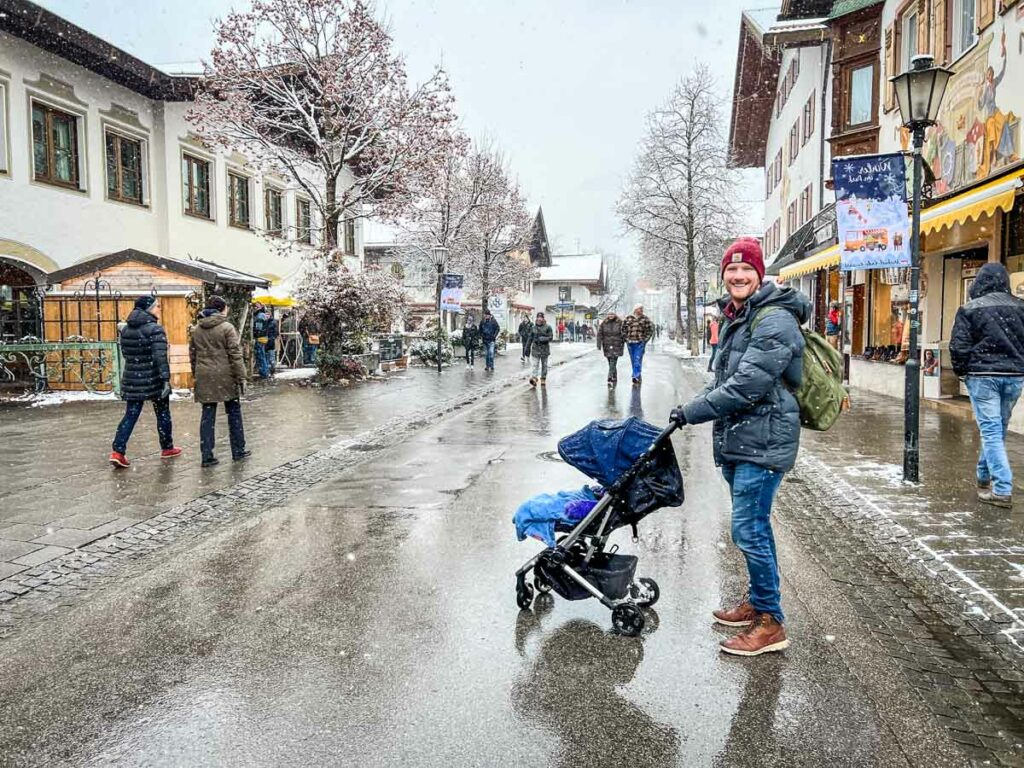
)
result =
(704, 315)
(440, 255)
(919, 93)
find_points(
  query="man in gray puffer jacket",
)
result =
(756, 429)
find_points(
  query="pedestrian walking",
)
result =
(215, 352)
(832, 325)
(713, 339)
(146, 377)
(611, 340)
(470, 338)
(525, 335)
(273, 334)
(987, 348)
(489, 331)
(310, 332)
(540, 350)
(259, 336)
(756, 430)
(638, 329)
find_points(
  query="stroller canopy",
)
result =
(605, 449)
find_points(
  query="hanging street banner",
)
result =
(451, 293)
(871, 211)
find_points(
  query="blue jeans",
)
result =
(262, 362)
(309, 352)
(753, 490)
(132, 411)
(489, 348)
(207, 429)
(636, 356)
(993, 398)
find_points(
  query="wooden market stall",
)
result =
(90, 299)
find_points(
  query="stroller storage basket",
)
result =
(610, 574)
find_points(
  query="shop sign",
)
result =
(871, 212)
(451, 293)
(497, 304)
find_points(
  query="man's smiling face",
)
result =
(741, 281)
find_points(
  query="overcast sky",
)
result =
(561, 85)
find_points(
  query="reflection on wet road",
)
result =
(372, 621)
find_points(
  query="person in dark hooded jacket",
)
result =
(756, 429)
(987, 347)
(146, 376)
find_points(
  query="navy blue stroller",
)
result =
(635, 463)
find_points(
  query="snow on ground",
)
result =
(674, 348)
(295, 374)
(44, 399)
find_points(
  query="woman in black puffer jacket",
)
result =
(146, 376)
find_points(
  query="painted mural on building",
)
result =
(979, 128)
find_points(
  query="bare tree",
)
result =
(313, 89)
(680, 192)
(499, 229)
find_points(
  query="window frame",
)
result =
(192, 159)
(956, 26)
(809, 121)
(849, 73)
(77, 125)
(232, 221)
(303, 237)
(143, 177)
(5, 132)
(908, 17)
(270, 190)
(349, 236)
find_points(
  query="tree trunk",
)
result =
(691, 297)
(485, 280)
(679, 310)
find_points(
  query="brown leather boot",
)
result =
(742, 615)
(763, 636)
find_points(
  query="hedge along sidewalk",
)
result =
(67, 578)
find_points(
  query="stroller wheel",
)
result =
(540, 582)
(627, 620)
(644, 592)
(524, 596)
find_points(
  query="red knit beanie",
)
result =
(746, 250)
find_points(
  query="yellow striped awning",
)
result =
(985, 200)
(827, 258)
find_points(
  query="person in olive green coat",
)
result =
(215, 351)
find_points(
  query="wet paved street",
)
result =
(59, 492)
(370, 619)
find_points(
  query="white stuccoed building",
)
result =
(571, 288)
(96, 156)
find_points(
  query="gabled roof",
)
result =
(55, 34)
(540, 253)
(753, 95)
(583, 268)
(843, 8)
(206, 271)
(796, 32)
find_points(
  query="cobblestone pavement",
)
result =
(929, 571)
(368, 618)
(978, 550)
(62, 501)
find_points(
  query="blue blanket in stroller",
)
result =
(538, 516)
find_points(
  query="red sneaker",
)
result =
(119, 460)
(170, 453)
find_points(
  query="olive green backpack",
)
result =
(821, 395)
